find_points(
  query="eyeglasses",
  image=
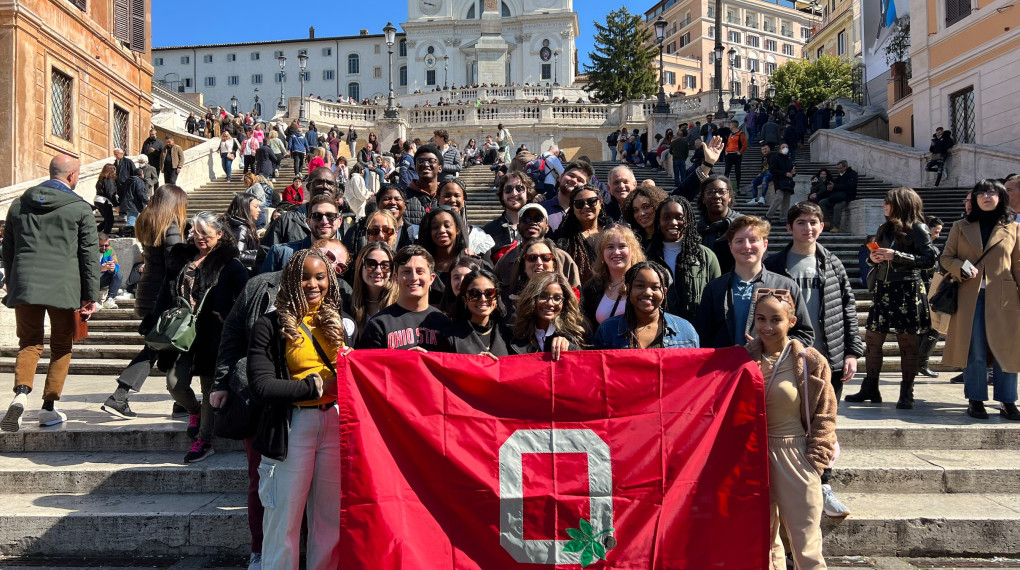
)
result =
(318, 216)
(426, 161)
(582, 203)
(373, 264)
(716, 192)
(556, 299)
(515, 189)
(535, 257)
(338, 266)
(383, 232)
(474, 295)
(781, 294)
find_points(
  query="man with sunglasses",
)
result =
(726, 314)
(575, 175)
(231, 377)
(292, 226)
(533, 223)
(421, 193)
(323, 222)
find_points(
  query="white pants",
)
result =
(309, 480)
(796, 492)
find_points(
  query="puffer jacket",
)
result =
(914, 253)
(840, 327)
(819, 415)
(154, 274)
(256, 299)
(247, 243)
(418, 204)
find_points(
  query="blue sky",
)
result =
(186, 22)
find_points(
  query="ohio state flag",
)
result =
(605, 459)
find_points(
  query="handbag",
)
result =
(231, 156)
(946, 298)
(175, 329)
(81, 327)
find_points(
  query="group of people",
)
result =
(571, 263)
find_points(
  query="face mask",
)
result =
(785, 151)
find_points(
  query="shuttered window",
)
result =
(956, 10)
(129, 23)
(79, 4)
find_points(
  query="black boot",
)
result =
(869, 391)
(906, 401)
(976, 410)
(925, 350)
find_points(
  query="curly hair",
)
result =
(569, 321)
(1003, 212)
(524, 180)
(637, 254)
(628, 280)
(655, 195)
(292, 306)
(520, 278)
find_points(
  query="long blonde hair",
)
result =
(169, 206)
(292, 306)
(637, 255)
(360, 297)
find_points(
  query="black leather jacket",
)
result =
(914, 253)
(247, 243)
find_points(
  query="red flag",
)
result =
(611, 459)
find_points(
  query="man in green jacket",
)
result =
(52, 259)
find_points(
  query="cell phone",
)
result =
(872, 246)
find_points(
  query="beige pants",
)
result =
(796, 492)
(778, 199)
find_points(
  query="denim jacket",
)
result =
(614, 332)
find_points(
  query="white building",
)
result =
(445, 42)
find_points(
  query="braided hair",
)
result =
(690, 250)
(292, 306)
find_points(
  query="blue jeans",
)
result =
(762, 180)
(227, 164)
(130, 220)
(975, 375)
(612, 151)
(679, 172)
(113, 279)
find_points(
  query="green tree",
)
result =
(813, 82)
(622, 63)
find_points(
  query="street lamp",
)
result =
(283, 79)
(720, 112)
(556, 68)
(391, 36)
(446, 72)
(302, 63)
(733, 91)
(660, 36)
(771, 91)
(233, 105)
(257, 110)
(754, 87)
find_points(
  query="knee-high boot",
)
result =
(908, 368)
(873, 368)
(925, 350)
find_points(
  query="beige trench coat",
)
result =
(1001, 268)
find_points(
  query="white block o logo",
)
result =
(511, 490)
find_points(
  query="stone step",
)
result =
(892, 524)
(103, 366)
(926, 471)
(148, 524)
(124, 472)
(123, 352)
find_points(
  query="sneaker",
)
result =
(109, 303)
(12, 419)
(199, 451)
(51, 417)
(193, 424)
(761, 200)
(752, 201)
(179, 411)
(125, 296)
(958, 379)
(832, 506)
(255, 562)
(119, 408)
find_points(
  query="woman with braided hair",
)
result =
(291, 369)
(676, 245)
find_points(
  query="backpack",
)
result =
(613, 138)
(536, 169)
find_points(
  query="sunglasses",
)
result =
(318, 216)
(782, 294)
(104, 245)
(339, 266)
(514, 189)
(556, 299)
(535, 257)
(474, 294)
(582, 203)
(536, 219)
(426, 161)
(384, 232)
(373, 264)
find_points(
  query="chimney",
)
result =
(311, 32)
(364, 32)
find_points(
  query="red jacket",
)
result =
(293, 195)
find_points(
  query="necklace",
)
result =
(614, 286)
(771, 361)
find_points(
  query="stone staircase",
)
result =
(926, 482)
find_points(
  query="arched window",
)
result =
(506, 10)
(471, 13)
(353, 64)
(354, 90)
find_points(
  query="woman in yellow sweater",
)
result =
(292, 370)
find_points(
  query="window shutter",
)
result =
(956, 10)
(121, 20)
(79, 4)
(137, 25)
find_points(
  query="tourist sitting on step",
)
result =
(842, 191)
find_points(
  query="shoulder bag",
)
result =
(946, 298)
(318, 348)
(175, 329)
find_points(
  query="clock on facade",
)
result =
(430, 7)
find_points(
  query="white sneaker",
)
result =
(125, 296)
(832, 506)
(752, 201)
(51, 418)
(109, 303)
(255, 562)
(761, 200)
(12, 419)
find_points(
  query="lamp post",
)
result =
(733, 83)
(720, 112)
(391, 36)
(233, 105)
(660, 36)
(446, 72)
(257, 109)
(283, 80)
(302, 63)
(771, 91)
(754, 87)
